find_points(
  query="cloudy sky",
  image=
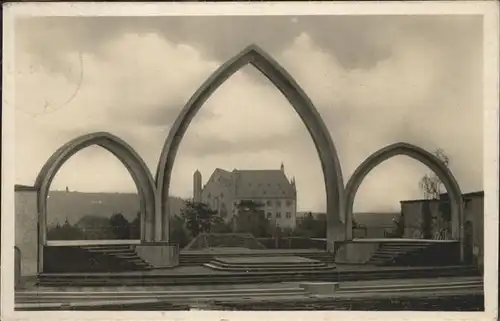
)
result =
(375, 80)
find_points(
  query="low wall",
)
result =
(355, 252)
(74, 259)
(293, 243)
(159, 255)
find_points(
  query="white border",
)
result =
(489, 11)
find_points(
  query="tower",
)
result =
(197, 186)
(282, 167)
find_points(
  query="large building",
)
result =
(224, 190)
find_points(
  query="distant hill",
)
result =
(367, 219)
(73, 206)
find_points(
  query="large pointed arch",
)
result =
(127, 156)
(424, 157)
(304, 107)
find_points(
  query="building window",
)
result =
(221, 195)
(278, 214)
(278, 203)
(268, 203)
(209, 195)
(288, 215)
(288, 203)
(269, 214)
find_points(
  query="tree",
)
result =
(221, 226)
(135, 227)
(178, 232)
(119, 226)
(431, 184)
(65, 232)
(95, 227)
(199, 217)
(252, 219)
(312, 227)
(432, 187)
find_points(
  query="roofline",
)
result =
(444, 195)
(470, 194)
(19, 188)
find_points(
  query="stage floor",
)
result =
(205, 271)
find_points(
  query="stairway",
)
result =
(268, 264)
(416, 254)
(146, 297)
(387, 253)
(211, 278)
(124, 253)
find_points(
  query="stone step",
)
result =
(106, 279)
(267, 268)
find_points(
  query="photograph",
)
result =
(180, 158)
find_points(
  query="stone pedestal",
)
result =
(159, 254)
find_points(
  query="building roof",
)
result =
(252, 184)
(445, 196)
(470, 194)
(262, 184)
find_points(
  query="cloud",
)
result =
(423, 88)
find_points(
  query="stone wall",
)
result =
(414, 218)
(26, 230)
(473, 212)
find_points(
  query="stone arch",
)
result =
(124, 152)
(304, 107)
(421, 155)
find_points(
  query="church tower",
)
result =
(197, 186)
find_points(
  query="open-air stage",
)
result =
(239, 278)
(239, 266)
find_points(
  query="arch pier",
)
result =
(300, 102)
(129, 158)
(424, 157)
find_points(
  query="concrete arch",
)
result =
(421, 155)
(119, 148)
(301, 103)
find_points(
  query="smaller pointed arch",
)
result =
(301, 103)
(121, 150)
(424, 157)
